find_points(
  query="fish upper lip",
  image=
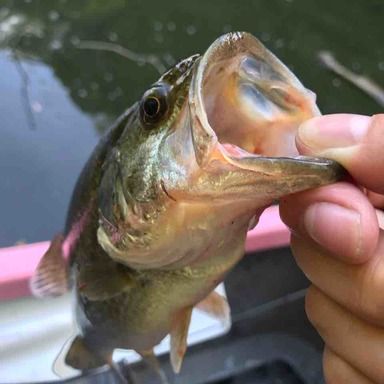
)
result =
(205, 137)
(290, 166)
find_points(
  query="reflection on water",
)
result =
(68, 66)
(37, 174)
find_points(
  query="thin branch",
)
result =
(25, 96)
(363, 83)
(139, 58)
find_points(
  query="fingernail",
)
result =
(334, 131)
(380, 218)
(336, 228)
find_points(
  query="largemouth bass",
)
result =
(161, 210)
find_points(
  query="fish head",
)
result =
(213, 140)
(132, 195)
(235, 140)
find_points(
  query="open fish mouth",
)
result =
(247, 106)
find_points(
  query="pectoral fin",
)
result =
(51, 277)
(216, 306)
(101, 283)
(179, 333)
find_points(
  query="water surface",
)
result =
(56, 97)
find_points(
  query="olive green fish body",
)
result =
(161, 210)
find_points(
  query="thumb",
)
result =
(355, 141)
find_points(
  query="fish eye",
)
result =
(154, 106)
(151, 106)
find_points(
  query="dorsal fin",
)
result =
(51, 277)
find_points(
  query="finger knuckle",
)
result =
(299, 249)
(371, 298)
(311, 308)
(331, 369)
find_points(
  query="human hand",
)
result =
(337, 242)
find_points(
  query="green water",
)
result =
(56, 97)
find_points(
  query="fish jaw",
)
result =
(245, 107)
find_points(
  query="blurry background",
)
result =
(56, 97)
(68, 68)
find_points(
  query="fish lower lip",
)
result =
(297, 166)
(306, 160)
